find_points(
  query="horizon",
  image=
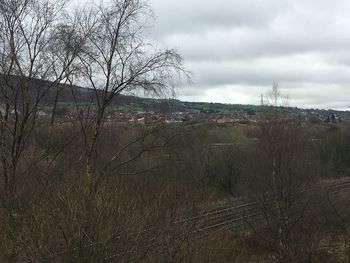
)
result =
(229, 103)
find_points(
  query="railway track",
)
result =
(241, 215)
(228, 217)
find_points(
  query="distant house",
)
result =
(172, 120)
(137, 121)
(333, 118)
(41, 114)
(132, 121)
(141, 120)
(224, 119)
(15, 112)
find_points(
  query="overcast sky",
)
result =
(236, 49)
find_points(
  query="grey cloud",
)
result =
(194, 16)
(321, 96)
(263, 71)
(237, 48)
(250, 43)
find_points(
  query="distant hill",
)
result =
(133, 103)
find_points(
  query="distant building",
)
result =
(224, 119)
(41, 114)
(333, 118)
(15, 112)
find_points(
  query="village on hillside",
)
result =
(145, 117)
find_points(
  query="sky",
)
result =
(236, 49)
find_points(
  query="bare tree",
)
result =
(119, 58)
(281, 172)
(31, 65)
(36, 55)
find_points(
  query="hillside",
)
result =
(127, 103)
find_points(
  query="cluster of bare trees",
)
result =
(102, 46)
(46, 46)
